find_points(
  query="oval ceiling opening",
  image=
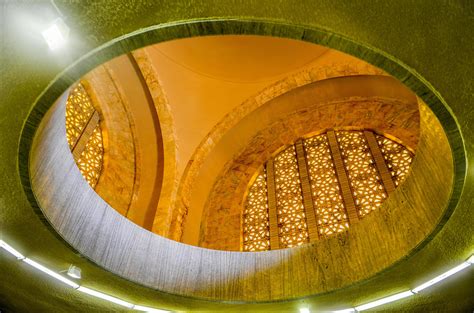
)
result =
(324, 163)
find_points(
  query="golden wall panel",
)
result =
(367, 187)
(90, 161)
(397, 158)
(326, 193)
(256, 233)
(290, 210)
(84, 133)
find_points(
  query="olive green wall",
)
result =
(432, 38)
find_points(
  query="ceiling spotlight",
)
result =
(74, 272)
(56, 34)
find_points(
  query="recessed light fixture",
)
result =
(56, 34)
(74, 272)
(305, 310)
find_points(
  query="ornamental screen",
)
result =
(84, 134)
(292, 228)
(344, 180)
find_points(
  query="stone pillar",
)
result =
(341, 173)
(308, 204)
(382, 168)
(272, 207)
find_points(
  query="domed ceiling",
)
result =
(335, 139)
(240, 59)
(207, 87)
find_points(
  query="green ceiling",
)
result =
(432, 38)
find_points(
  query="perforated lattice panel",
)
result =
(79, 113)
(397, 158)
(256, 234)
(90, 161)
(79, 110)
(365, 181)
(359, 170)
(330, 212)
(290, 210)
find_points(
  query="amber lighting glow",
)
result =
(325, 188)
(366, 188)
(256, 229)
(366, 183)
(397, 157)
(79, 119)
(79, 110)
(292, 226)
(90, 161)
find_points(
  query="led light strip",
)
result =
(412, 292)
(72, 284)
(385, 300)
(137, 307)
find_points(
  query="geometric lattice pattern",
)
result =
(79, 111)
(289, 201)
(325, 188)
(90, 161)
(365, 181)
(367, 189)
(397, 158)
(256, 232)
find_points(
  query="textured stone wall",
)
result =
(117, 182)
(162, 220)
(221, 223)
(306, 76)
(126, 181)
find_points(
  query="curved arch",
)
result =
(209, 142)
(337, 102)
(162, 220)
(118, 126)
